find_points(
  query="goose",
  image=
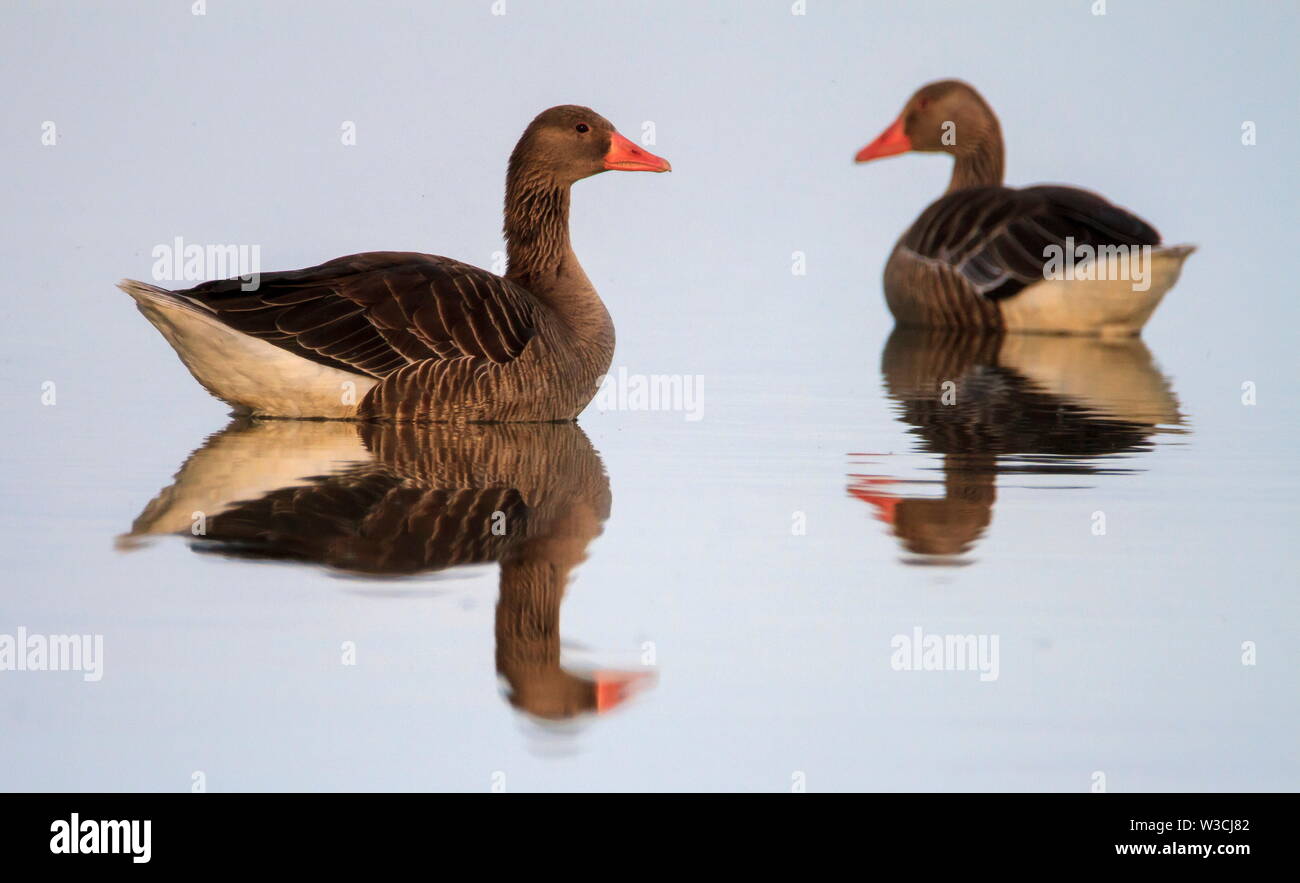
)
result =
(404, 336)
(998, 258)
(389, 500)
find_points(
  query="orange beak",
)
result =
(892, 141)
(624, 156)
(613, 688)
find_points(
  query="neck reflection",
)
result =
(399, 500)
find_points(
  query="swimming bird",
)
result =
(416, 337)
(1048, 258)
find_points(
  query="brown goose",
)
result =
(406, 336)
(1046, 258)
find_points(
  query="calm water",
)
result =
(675, 604)
(668, 603)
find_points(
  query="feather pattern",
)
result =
(377, 312)
(995, 238)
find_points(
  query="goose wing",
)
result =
(996, 237)
(376, 312)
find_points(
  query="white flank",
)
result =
(253, 376)
(1109, 306)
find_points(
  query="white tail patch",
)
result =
(1107, 306)
(253, 376)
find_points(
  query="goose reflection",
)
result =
(993, 405)
(394, 500)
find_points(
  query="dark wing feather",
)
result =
(995, 237)
(374, 313)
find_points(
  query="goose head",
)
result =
(569, 143)
(948, 116)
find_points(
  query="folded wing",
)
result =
(996, 237)
(376, 312)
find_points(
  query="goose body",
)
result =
(384, 335)
(416, 337)
(1048, 258)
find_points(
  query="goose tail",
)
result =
(251, 375)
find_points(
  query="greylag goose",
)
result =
(407, 336)
(1046, 258)
(1020, 404)
(391, 500)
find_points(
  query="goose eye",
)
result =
(583, 127)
